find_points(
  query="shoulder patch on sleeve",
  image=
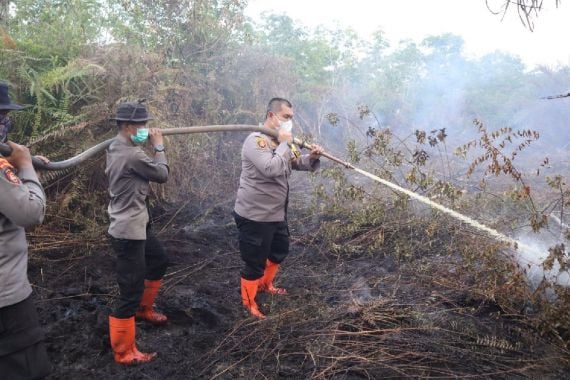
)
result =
(7, 171)
(261, 143)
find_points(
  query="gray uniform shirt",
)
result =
(264, 181)
(22, 204)
(130, 170)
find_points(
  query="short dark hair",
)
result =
(275, 105)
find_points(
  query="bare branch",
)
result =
(527, 10)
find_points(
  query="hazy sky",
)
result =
(482, 31)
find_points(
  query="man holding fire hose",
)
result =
(22, 204)
(261, 204)
(141, 260)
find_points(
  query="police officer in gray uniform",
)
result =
(22, 204)
(141, 260)
(261, 204)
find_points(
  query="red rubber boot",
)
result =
(266, 282)
(122, 334)
(146, 311)
(248, 293)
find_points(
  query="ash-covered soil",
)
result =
(353, 317)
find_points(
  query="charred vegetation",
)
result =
(381, 285)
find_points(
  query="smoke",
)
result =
(437, 87)
(430, 86)
(359, 294)
(533, 252)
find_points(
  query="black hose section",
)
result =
(5, 149)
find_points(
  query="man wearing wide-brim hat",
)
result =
(6, 106)
(141, 260)
(22, 204)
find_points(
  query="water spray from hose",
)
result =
(529, 256)
(494, 233)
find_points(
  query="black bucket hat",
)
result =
(132, 111)
(5, 102)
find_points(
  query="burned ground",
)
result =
(362, 316)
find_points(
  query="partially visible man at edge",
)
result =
(261, 203)
(141, 260)
(22, 204)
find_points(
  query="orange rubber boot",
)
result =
(266, 282)
(122, 334)
(146, 311)
(248, 293)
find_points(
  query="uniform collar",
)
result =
(124, 140)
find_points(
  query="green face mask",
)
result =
(140, 137)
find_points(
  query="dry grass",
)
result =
(351, 319)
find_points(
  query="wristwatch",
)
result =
(159, 148)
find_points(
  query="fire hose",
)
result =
(5, 149)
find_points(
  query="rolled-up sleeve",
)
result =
(264, 159)
(23, 203)
(154, 170)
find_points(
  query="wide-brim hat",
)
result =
(132, 111)
(5, 102)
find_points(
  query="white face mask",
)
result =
(285, 125)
